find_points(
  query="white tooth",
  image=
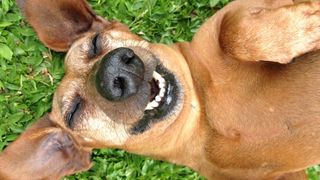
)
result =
(156, 75)
(158, 98)
(149, 107)
(162, 84)
(162, 91)
(154, 104)
(161, 80)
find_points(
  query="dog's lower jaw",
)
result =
(178, 139)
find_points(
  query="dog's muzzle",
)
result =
(120, 74)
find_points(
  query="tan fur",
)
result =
(251, 90)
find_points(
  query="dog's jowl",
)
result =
(240, 101)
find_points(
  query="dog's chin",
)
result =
(164, 99)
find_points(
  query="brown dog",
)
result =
(241, 101)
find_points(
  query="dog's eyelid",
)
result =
(70, 115)
(95, 46)
(94, 43)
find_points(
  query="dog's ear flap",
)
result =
(44, 151)
(59, 23)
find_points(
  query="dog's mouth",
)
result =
(158, 90)
(163, 99)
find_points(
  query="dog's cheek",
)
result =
(99, 132)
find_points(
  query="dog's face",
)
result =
(117, 86)
(118, 89)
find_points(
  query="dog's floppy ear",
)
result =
(59, 22)
(44, 151)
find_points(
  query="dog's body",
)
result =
(243, 108)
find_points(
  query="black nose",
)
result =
(120, 74)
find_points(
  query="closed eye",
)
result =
(95, 48)
(73, 112)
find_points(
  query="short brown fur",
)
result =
(251, 91)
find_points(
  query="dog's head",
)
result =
(118, 90)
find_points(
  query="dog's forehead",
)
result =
(111, 39)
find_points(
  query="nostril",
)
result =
(119, 83)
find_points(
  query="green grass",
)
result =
(29, 74)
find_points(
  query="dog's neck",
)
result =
(178, 142)
(189, 149)
(181, 140)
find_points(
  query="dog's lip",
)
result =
(164, 107)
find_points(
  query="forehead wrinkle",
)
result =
(81, 52)
(114, 43)
(75, 45)
(67, 96)
(108, 42)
